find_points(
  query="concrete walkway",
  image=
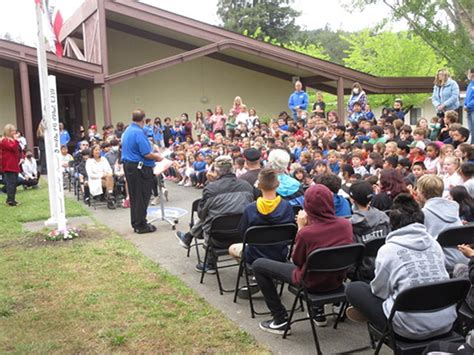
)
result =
(162, 247)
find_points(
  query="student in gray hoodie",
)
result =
(410, 257)
(440, 214)
(368, 223)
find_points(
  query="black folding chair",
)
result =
(196, 244)
(263, 236)
(324, 260)
(224, 232)
(425, 298)
(452, 237)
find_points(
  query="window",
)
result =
(415, 114)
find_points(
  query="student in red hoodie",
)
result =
(10, 155)
(318, 227)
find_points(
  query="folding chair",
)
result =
(452, 237)
(224, 232)
(331, 259)
(194, 208)
(426, 298)
(263, 236)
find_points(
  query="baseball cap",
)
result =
(361, 192)
(223, 161)
(419, 144)
(252, 154)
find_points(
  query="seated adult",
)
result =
(29, 170)
(368, 223)
(318, 227)
(334, 183)
(252, 163)
(410, 257)
(290, 189)
(100, 175)
(267, 210)
(226, 195)
(440, 214)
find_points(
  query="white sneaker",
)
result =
(181, 183)
(188, 184)
(336, 308)
(155, 201)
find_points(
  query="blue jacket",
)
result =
(469, 100)
(252, 217)
(342, 206)
(448, 95)
(298, 98)
(64, 138)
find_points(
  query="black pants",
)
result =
(140, 184)
(265, 271)
(10, 182)
(360, 296)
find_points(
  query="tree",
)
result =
(275, 18)
(392, 54)
(447, 26)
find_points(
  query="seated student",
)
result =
(422, 262)
(267, 210)
(357, 165)
(465, 202)
(357, 114)
(368, 223)
(225, 195)
(440, 213)
(29, 170)
(376, 135)
(334, 183)
(318, 227)
(467, 174)
(64, 159)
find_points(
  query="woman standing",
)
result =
(10, 162)
(218, 121)
(445, 93)
(42, 148)
(357, 95)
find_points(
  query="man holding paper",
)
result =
(138, 162)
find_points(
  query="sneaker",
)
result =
(149, 228)
(356, 316)
(274, 326)
(111, 204)
(183, 239)
(126, 203)
(188, 184)
(319, 318)
(208, 268)
(12, 203)
(155, 201)
(336, 308)
(243, 292)
(181, 183)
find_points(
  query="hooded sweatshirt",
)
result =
(323, 230)
(367, 226)
(411, 257)
(290, 189)
(262, 213)
(441, 214)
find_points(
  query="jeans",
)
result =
(470, 124)
(360, 296)
(10, 182)
(265, 271)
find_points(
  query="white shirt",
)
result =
(30, 169)
(242, 118)
(95, 171)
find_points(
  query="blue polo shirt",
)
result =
(135, 146)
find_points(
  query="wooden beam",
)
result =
(87, 8)
(187, 47)
(104, 60)
(18, 100)
(75, 48)
(26, 104)
(341, 108)
(90, 106)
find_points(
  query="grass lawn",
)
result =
(97, 294)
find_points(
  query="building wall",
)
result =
(7, 98)
(188, 87)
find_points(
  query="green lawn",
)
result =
(97, 294)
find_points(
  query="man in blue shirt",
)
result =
(64, 137)
(298, 100)
(138, 162)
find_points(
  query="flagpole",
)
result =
(49, 104)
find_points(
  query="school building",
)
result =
(123, 54)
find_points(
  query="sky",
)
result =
(18, 17)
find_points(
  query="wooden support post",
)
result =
(90, 106)
(104, 59)
(26, 103)
(18, 101)
(341, 108)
